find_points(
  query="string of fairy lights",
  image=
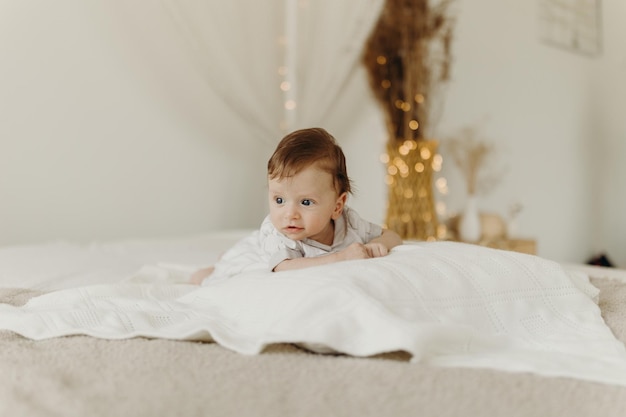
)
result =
(399, 165)
(287, 71)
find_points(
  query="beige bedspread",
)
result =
(83, 376)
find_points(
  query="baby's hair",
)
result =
(303, 148)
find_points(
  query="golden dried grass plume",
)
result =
(407, 56)
(475, 159)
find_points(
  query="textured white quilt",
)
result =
(445, 303)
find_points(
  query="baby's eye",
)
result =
(279, 200)
(306, 202)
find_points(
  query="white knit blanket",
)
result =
(445, 303)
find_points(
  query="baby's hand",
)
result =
(199, 276)
(354, 251)
(376, 250)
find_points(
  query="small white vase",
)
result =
(470, 229)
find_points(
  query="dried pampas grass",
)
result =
(407, 56)
(474, 157)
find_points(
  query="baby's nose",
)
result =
(293, 212)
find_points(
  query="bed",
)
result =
(79, 375)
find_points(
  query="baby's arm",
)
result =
(375, 248)
(381, 245)
(199, 276)
(354, 251)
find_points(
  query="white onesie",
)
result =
(267, 247)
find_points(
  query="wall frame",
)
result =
(575, 25)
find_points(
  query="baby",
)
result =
(309, 222)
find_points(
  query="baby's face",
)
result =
(303, 206)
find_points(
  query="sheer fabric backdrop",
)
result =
(330, 39)
(277, 65)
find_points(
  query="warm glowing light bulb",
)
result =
(384, 158)
(419, 98)
(381, 60)
(437, 162)
(413, 125)
(441, 208)
(425, 153)
(385, 84)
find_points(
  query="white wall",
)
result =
(107, 132)
(609, 140)
(533, 100)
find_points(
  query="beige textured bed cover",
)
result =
(84, 376)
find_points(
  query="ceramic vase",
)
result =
(469, 224)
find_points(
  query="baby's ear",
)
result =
(339, 205)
